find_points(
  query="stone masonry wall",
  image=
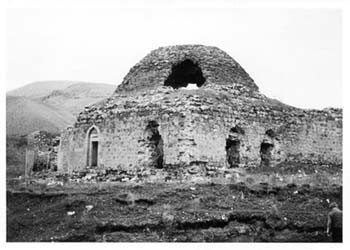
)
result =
(194, 127)
(43, 148)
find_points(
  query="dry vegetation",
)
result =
(237, 206)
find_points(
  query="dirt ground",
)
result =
(170, 212)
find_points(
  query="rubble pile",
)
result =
(45, 147)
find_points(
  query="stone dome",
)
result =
(181, 65)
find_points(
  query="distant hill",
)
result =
(24, 115)
(76, 96)
(39, 89)
(50, 106)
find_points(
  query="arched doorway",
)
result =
(184, 73)
(93, 144)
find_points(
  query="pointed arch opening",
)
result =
(185, 73)
(93, 147)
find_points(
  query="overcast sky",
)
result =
(293, 55)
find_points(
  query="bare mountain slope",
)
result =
(76, 96)
(24, 115)
(50, 106)
(39, 89)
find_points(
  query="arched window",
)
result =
(184, 73)
(93, 141)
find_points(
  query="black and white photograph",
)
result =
(173, 122)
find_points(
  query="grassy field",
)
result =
(15, 155)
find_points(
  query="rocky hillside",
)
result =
(50, 106)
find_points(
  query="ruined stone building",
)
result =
(41, 151)
(191, 104)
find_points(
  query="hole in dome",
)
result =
(186, 74)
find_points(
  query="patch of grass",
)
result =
(15, 155)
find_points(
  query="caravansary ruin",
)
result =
(194, 105)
